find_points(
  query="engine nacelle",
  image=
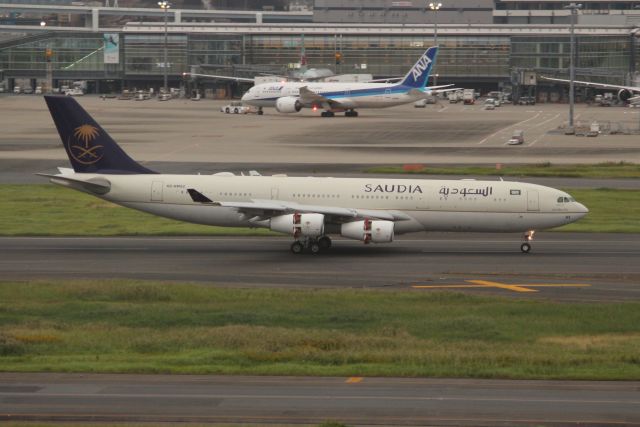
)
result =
(299, 225)
(624, 95)
(288, 104)
(369, 231)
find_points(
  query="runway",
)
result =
(297, 400)
(562, 266)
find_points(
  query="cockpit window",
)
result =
(566, 199)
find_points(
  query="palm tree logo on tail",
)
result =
(80, 146)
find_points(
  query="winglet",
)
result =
(198, 197)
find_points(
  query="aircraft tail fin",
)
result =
(418, 75)
(89, 147)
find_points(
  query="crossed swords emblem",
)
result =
(85, 153)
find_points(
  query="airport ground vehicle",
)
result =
(17, 90)
(489, 104)
(517, 138)
(74, 92)
(235, 107)
(469, 96)
(310, 209)
(422, 103)
(527, 100)
(38, 90)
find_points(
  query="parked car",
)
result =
(235, 107)
(527, 100)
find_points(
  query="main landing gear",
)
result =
(313, 245)
(351, 113)
(260, 112)
(327, 114)
(526, 246)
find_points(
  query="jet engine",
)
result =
(288, 104)
(369, 231)
(624, 95)
(299, 225)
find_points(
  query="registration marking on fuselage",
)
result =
(479, 284)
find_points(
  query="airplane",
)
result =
(630, 94)
(310, 209)
(291, 97)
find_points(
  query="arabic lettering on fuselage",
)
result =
(464, 191)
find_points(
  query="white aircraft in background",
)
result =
(630, 94)
(371, 210)
(291, 97)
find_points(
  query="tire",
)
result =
(235, 111)
(314, 248)
(525, 248)
(227, 110)
(297, 248)
(324, 242)
(260, 112)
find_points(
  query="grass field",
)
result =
(601, 170)
(48, 210)
(128, 326)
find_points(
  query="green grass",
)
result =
(610, 211)
(48, 210)
(129, 326)
(601, 170)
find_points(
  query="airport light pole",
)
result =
(573, 7)
(48, 54)
(165, 5)
(435, 7)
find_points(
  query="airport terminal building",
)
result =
(485, 44)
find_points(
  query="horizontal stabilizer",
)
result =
(93, 185)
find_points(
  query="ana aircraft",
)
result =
(630, 94)
(291, 97)
(310, 209)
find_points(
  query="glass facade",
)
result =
(606, 57)
(462, 57)
(80, 53)
(144, 54)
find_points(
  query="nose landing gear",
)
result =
(526, 246)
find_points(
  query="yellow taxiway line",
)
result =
(510, 287)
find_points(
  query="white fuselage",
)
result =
(429, 205)
(349, 95)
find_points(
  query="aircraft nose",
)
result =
(582, 209)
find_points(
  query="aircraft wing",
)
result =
(264, 209)
(308, 97)
(592, 84)
(214, 76)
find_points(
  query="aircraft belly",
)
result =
(197, 214)
(489, 221)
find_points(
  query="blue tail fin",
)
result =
(89, 147)
(419, 74)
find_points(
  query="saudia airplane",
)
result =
(291, 97)
(309, 209)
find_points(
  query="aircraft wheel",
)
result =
(525, 248)
(314, 248)
(324, 242)
(297, 248)
(260, 112)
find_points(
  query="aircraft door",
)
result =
(156, 191)
(532, 200)
(387, 94)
